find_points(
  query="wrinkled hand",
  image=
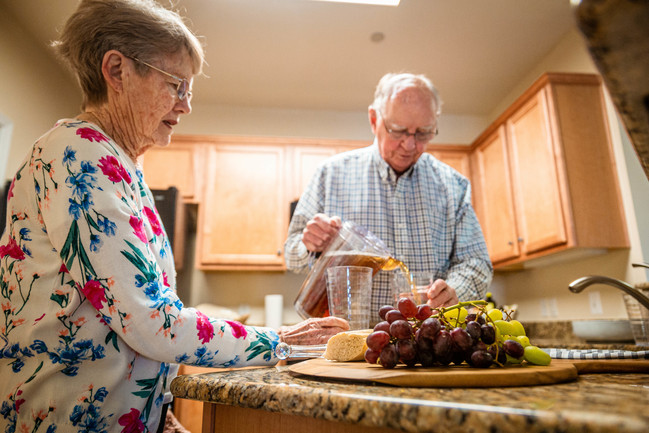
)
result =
(441, 294)
(316, 330)
(319, 232)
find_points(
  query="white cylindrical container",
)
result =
(274, 307)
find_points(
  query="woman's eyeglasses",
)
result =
(183, 85)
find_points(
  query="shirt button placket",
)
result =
(399, 212)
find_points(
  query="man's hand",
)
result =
(319, 232)
(441, 294)
(316, 330)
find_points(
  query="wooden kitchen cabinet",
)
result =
(534, 161)
(190, 412)
(243, 187)
(243, 216)
(180, 164)
(455, 156)
(493, 196)
(306, 160)
(307, 157)
(249, 184)
(347, 145)
(544, 174)
(308, 154)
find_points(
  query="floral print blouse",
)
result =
(91, 330)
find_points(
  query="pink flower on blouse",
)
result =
(138, 228)
(13, 250)
(131, 422)
(94, 293)
(165, 279)
(112, 169)
(91, 135)
(153, 219)
(10, 193)
(19, 401)
(204, 327)
(238, 330)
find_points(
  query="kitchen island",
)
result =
(272, 399)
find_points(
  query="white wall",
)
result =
(351, 125)
(640, 196)
(35, 91)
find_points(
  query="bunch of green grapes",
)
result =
(416, 335)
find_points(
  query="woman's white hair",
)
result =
(137, 28)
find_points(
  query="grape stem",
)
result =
(462, 304)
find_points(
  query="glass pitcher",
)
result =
(353, 246)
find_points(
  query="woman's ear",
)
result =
(112, 68)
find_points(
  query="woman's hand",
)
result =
(441, 294)
(316, 330)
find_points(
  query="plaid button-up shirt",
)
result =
(424, 217)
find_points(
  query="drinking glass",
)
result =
(349, 289)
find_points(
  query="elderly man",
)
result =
(419, 206)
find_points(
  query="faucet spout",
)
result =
(580, 284)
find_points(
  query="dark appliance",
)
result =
(166, 201)
(293, 205)
(3, 206)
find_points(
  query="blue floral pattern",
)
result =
(91, 328)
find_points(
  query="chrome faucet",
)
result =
(583, 282)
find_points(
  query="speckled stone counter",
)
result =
(559, 334)
(593, 403)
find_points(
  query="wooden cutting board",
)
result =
(585, 366)
(443, 377)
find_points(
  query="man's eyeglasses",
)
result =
(183, 85)
(400, 134)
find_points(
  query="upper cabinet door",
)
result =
(306, 160)
(244, 215)
(536, 178)
(553, 147)
(494, 202)
(456, 158)
(180, 164)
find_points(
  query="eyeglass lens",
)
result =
(420, 136)
(182, 90)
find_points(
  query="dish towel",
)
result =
(596, 354)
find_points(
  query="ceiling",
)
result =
(303, 54)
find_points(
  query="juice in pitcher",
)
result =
(354, 246)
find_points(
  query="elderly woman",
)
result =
(92, 327)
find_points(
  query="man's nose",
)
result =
(409, 143)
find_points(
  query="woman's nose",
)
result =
(184, 105)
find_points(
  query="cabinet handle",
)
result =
(520, 239)
(279, 253)
(510, 243)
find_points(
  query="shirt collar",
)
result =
(386, 172)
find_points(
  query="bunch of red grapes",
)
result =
(411, 334)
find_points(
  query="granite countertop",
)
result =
(559, 334)
(592, 403)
